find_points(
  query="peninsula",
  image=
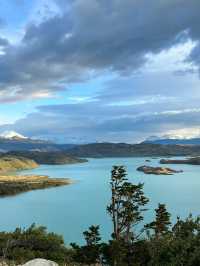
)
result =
(12, 184)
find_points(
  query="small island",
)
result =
(157, 170)
(192, 161)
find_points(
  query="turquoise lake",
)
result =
(69, 210)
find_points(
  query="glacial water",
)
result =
(69, 210)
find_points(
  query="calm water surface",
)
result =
(69, 210)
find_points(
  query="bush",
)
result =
(22, 245)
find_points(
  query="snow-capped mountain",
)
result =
(173, 139)
(12, 135)
(13, 141)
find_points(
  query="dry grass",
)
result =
(11, 163)
(24, 178)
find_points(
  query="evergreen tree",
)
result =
(90, 253)
(162, 221)
(92, 236)
(127, 205)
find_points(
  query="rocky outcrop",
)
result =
(157, 170)
(193, 161)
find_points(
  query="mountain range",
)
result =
(173, 140)
(12, 135)
(12, 141)
(99, 150)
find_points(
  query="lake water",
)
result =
(69, 210)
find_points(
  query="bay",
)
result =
(69, 210)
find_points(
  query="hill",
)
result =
(98, 150)
(13, 163)
(26, 144)
(44, 152)
(56, 157)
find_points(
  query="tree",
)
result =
(25, 244)
(162, 221)
(179, 246)
(127, 205)
(90, 253)
(92, 236)
(159, 235)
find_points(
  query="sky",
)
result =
(79, 71)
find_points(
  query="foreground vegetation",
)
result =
(158, 243)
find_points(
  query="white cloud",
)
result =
(172, 59)
(152, 99)
(191, 132)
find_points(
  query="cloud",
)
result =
(149, 50)
(91, 36)
(90, 121)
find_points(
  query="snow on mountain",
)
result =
(173, 139)
(169, 136)
(12, 135)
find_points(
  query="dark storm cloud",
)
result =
(94, 36)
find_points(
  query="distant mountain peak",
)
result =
(173, 139)
(12, 135)
(167, 136)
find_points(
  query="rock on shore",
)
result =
(34, 262)
(40, 262)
